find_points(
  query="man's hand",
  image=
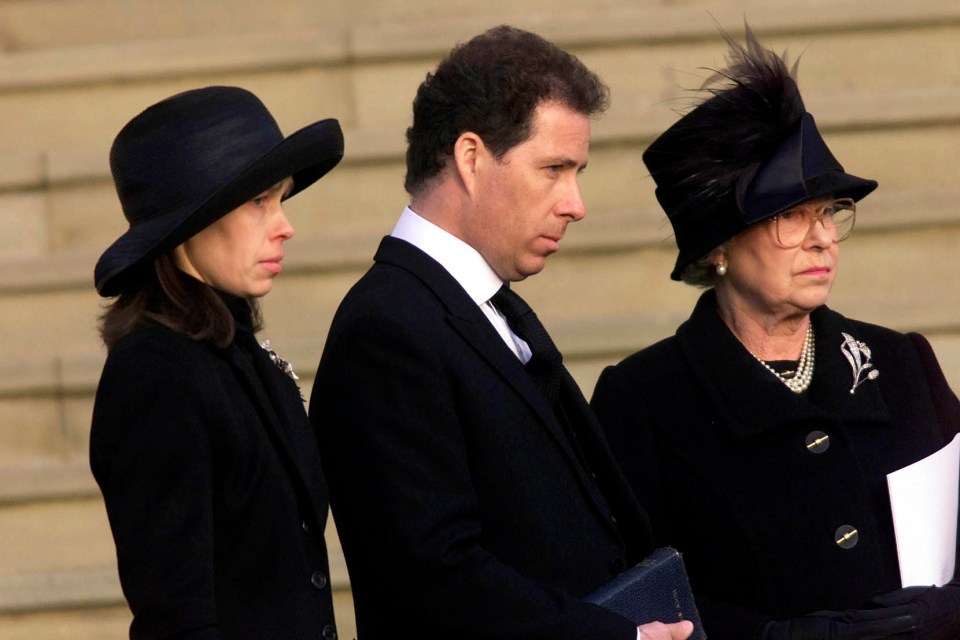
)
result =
(660, 631)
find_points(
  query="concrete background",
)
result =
(881, 76)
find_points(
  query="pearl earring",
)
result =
(721, 268)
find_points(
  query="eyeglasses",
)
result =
(794, 224)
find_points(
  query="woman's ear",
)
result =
(718, 258)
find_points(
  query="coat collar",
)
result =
(751, 401)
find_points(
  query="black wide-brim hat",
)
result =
(187, 161)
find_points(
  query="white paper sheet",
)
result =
(923, 498)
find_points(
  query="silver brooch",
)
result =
(858, 355)
(282, 364)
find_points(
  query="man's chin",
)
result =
(531, 268)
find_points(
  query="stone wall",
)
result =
(882, 77)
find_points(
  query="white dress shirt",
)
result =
(467, 267)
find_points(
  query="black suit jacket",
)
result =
(717, 450)
(212, 483)
(463, 509)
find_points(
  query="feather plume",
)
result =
(710, 154)
(753, 102)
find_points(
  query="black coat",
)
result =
(462, 508)
(716, 448)
(212, 482)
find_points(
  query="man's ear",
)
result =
(467, 152)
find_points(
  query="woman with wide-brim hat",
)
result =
(759, 436)
(200, 442)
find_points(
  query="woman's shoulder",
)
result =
(154, 366)
(154, 348)
(653, 360)
(661, 350)
(909, 352)
(860, 330)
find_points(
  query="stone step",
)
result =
(375, 97)
(92, 587)
(89, 623)
(384, 31)
(366, 75)
(30, 25)
(54, 481)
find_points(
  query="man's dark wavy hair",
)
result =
(491, 86)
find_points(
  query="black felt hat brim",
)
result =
(306, 155)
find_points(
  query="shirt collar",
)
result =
(461, 261)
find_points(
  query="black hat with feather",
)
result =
(745, 154)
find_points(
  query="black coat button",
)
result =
(306, 527)
(817, 442)
(329, 633)
(319, 580)
(617, 565)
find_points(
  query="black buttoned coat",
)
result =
(463, 509)
(214, 491)
(716, 449)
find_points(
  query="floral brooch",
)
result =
(858, 355)
(282, 364)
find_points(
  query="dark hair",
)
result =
(491, 86)
(166, 295)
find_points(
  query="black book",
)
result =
(656, 590)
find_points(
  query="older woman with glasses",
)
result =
(759, 437)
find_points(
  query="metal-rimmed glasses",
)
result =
(793, 225)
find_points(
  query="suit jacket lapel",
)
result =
(469, 322)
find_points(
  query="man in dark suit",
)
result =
(475, 496)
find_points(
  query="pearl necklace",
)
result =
(804, 375)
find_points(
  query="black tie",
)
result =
(546, 363)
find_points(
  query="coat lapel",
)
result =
(469, 323)
(286, 428)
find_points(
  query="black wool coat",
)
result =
(735, 472)
(213, 487)
(463, 509)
